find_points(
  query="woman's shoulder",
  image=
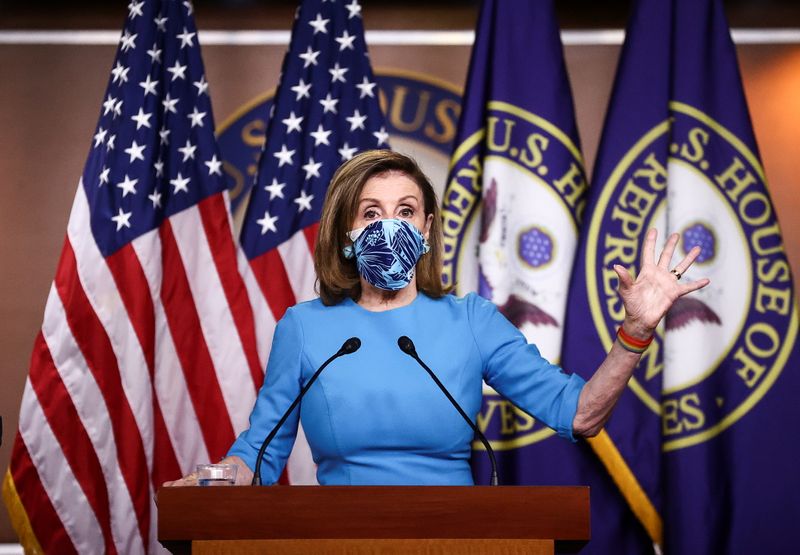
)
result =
(305, 306)
(471, 304)
(315, 308)
(470, 300)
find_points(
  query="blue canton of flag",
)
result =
(154, 152)
(326, 110)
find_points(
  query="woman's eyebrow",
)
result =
(399, 201)
(405, 198)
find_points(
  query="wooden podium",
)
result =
(373, 519)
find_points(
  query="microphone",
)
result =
(407, 346)
(348, 347)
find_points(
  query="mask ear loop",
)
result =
(353, 235)
(426, 247)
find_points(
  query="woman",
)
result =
(374, 416)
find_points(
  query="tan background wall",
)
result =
(50, 97)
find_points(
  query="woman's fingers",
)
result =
(625, 278)
(666, 255)
(688, 260)
(649, 248)
(188, 480)
(693, 286)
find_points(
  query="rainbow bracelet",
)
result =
(632, 344)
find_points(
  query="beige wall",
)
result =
(50, 97)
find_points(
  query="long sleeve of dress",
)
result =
(516, 370)
(282, 383)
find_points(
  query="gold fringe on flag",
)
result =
(19, 518)
(627, 483)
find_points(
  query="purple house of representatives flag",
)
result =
(512, 210)
(701, 452)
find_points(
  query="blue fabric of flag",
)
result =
(154, 153)
(326, 110)
(699, 431)
(517, 149)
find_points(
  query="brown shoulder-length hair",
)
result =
(337, 276)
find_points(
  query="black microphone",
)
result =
(407, 346)
(348, 347)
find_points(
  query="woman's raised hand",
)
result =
(648, 297)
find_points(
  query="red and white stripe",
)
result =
(146, 365)
(275, 281)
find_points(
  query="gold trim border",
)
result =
(242, 109)
(420, 76)
(19, 517)
(765, 385)
(735, 141)
(530, 117)
(628, 485)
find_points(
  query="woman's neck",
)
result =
(378, 300)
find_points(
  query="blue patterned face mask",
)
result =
(386, 252)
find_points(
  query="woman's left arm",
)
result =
(647, 299)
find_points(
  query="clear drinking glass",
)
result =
(216, 474)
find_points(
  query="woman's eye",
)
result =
(370, 214)
(407, 213)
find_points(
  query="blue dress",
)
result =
(375, 417)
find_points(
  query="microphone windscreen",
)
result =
(351, 345)
(406, 345)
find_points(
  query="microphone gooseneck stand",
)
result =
(407, 346)
(350, 346)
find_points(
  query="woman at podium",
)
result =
(374, 416)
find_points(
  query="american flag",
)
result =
(147, 362)
(326, 110)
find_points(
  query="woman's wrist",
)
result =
(637, 330)
(634, 344)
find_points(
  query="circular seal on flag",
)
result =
(720, 349)
(510, 211)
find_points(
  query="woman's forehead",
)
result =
(390, 186)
